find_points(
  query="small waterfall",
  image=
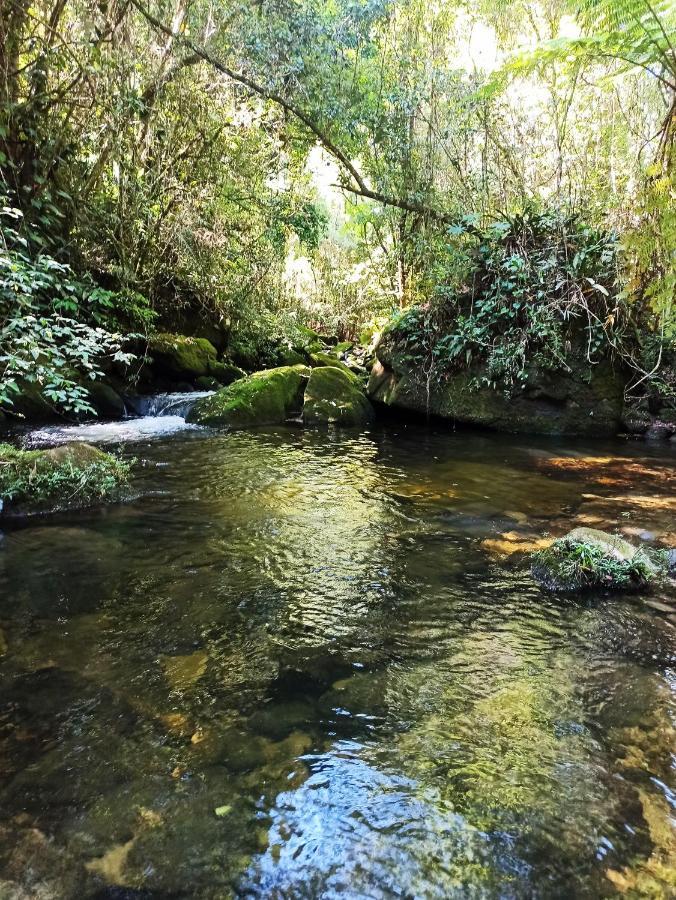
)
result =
(164, 404)
(148, 417)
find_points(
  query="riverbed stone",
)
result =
(269, 397)
(335, 397)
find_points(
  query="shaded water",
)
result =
(310, 664)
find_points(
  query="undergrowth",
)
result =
(26, 478)
(540, 290)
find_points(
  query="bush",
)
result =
(54, 328)
(537, 288)
(67, 476)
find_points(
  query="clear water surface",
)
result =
(305, 664)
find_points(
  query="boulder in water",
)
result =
(66, 477)
(269, 397)
(581, 400)
(587, 558)
(335, 397)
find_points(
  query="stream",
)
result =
(314, 664)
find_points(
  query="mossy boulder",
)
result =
(585, 400)
(321, 360)
(264, 398)
(225, 372)
(179, 356)
(208, 383)
(67, 477)
(292, 356)
(587, 558)
(335, 397)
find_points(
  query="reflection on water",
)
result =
(313, 664)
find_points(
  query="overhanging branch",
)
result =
(359, 185)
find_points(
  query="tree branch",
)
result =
(359, 185)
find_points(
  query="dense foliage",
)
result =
(537, 288)
(256, 168)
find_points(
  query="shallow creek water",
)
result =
(304, 664)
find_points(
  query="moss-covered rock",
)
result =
(293, 356)
(321, 360)
(335, 397)
(225, 372)
(182, 357)
(66, 477)
(264, 398)
(587, 558)
(208, 383)
(585, 400)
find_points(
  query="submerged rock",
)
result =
(587, 558)
(66, 477)
(264, 398)
(335, 397)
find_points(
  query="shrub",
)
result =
(72, 475)
(537, 288)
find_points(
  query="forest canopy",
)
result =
(268, 166)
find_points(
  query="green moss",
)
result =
(264, 398)
(328, 359)
(335, 397)
(291, 356)
(225, 372)
(586, 559)
(182, 356)
(73, 475)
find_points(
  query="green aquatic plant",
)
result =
(71, 475)
(576, 565)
